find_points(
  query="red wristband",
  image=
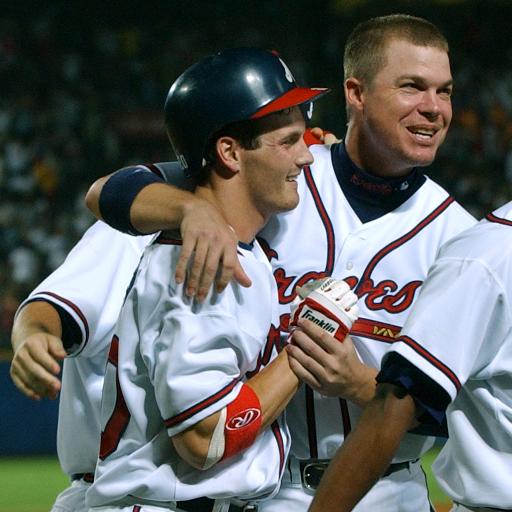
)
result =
(243, 422)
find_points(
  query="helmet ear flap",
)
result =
(233, 85)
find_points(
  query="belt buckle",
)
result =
(311, 472)
(242, 506)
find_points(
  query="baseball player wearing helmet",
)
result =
(367, 215)
(67, 317)
(451, 363)
(193, 392)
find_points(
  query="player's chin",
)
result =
(424, 156)
(289, 201)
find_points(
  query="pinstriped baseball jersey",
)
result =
(385, 261)
(459, 334)
(90, 286)
(174, 362)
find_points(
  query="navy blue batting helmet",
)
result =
(233, 85)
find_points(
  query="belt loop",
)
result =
(221, 505)
(295, 471)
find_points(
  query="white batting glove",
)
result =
(329, 303)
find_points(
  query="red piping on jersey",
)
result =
(120, 418)
(113, 352)
(75, 308)
(329, 265)
(374, 330)
(431, 359)
(175, 420)
(329, 231)
(168, 241)
(402, 240)
(493, 218)
(280, 444)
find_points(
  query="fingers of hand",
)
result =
(330, 138)
(210, 255)
(302, 373)
(34, 380)
(214, 269)
(324, 136)
(57, 350)
(241, 277)
(186, 252)
(308, 351)
(326, 371)
(195, 269)
(318, 337)
(24, 389)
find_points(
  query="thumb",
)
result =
(56, 347)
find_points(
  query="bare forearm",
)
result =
(366, 453)
(160, 207)
(275, 385)
(38, 349)
(363, 391)
(35, 318)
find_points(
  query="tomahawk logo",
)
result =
(287, 72)
(320, 320)
(242, 419)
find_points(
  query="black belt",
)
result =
(312, 470)
(86, 477)
(206, 505)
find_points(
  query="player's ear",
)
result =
(354, 93)
(228, 153)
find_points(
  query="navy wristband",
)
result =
(118, 194)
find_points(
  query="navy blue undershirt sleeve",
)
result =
(71, 334)
(431, 398)
(118, 194)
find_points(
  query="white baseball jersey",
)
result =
(384, 260)
(90, 286)
(459, 334)
(174, 362)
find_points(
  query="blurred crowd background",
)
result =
(83, 85)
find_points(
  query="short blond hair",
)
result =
(365, 50)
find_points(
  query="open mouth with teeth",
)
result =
(423, 133)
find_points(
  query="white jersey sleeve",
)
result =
(90, 286)
(458, 291)
(459, 334)
(174, 362)
(91, 283)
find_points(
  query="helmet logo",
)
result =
(309, 113)
(287, 72)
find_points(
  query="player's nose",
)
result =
(430, 104)
(304, 156)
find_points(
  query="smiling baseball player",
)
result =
(367, 215)
(194, 391)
